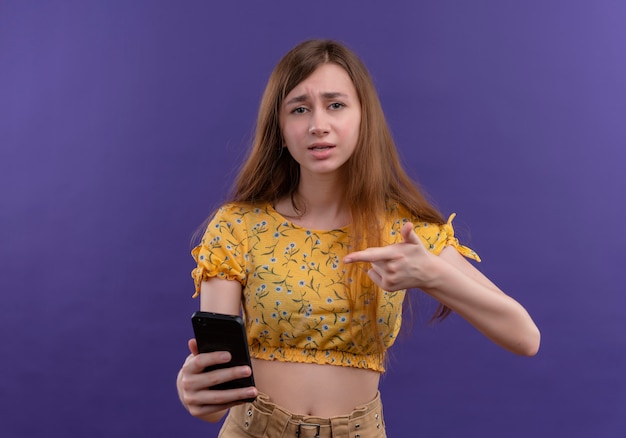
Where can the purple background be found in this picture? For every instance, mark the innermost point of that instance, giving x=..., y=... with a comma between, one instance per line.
x=122, y=124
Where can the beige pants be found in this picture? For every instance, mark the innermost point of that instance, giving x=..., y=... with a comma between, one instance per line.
x=262, y=419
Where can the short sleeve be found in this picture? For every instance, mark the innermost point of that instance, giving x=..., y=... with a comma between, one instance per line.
x=223, y=250
x=437, y=237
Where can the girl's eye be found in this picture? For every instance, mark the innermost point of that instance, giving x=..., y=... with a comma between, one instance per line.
x=299, y=110
x=336, y=105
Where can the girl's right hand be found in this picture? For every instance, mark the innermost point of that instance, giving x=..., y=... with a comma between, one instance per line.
x=193, y=384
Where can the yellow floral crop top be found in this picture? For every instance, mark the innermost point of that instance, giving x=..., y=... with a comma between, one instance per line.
x=295, y=301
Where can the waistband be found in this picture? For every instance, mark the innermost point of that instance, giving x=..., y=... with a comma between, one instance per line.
x=263, y=418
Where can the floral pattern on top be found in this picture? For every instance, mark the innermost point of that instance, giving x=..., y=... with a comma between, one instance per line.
x=295, y=300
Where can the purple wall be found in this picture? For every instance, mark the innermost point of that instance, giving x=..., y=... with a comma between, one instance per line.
x=121, y=125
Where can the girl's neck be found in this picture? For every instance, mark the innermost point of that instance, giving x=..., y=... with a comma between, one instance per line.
x=318, y=205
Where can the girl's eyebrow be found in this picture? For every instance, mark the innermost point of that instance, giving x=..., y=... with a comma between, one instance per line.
x=326, y=95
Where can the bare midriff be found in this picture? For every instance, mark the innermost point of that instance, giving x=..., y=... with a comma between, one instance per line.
x=315, y=390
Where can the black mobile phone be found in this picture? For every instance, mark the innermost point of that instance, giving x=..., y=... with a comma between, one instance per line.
x=218, y=332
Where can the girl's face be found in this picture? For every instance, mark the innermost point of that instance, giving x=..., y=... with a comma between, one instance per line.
x=320, y=120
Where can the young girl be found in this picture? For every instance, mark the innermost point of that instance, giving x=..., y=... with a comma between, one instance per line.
x=324, y=234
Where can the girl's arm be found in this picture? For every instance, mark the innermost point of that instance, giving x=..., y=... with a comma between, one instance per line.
x=219, y=296
x=454, y=282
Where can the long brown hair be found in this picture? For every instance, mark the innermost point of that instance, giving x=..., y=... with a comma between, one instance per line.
x=373, y=175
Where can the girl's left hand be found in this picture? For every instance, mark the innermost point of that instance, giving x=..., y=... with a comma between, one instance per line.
x=455, y=283
x=402, y=265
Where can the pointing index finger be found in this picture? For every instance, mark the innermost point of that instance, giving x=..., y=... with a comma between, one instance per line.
x=368, y=255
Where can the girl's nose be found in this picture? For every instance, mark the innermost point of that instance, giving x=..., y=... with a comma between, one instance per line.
x=319, y=124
